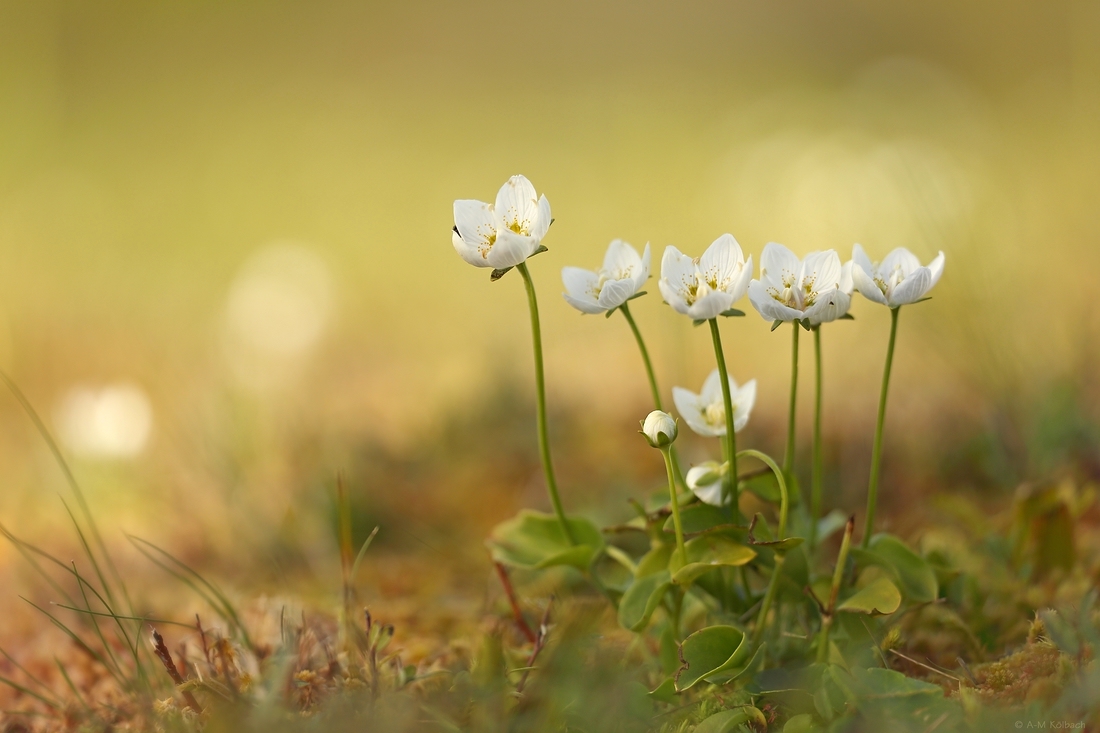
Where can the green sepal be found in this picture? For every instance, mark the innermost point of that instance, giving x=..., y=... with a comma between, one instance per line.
x=699, y=321
x=638, y=294
x=879, y=598
x=805, y=323
x=534, y=541
x=847, y=317
x=732, y=313
x=498, y=274
x=641, y=599
x=776, y=324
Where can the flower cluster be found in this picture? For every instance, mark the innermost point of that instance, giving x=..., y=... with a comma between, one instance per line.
x=808, y=291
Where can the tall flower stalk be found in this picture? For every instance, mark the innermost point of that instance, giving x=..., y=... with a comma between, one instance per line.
x=818, y=463
x=876, y=449
x=540, y=389
x=731, y=489
x=788, y=453
x=654, y=390
x=896, y=281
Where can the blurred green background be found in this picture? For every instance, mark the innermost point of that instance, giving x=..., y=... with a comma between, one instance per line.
x=226, y=271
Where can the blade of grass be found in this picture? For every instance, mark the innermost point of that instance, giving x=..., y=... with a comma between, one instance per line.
x=26, y=549
x=69, y=682
x=69, y=477
x=194, y=580
x=81, y=644
x=25, y=671
x=362, y=553
x=30, y=693
x=88, y=551
x=142, y=619
x=99, y=631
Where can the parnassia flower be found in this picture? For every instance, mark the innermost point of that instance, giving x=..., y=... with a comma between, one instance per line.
x=659, y=429
x=810, y=289
x=707, y=480
x=706, y=287
x=705, y=413
x=621, y=277
x=503, y=234
x=898, y=280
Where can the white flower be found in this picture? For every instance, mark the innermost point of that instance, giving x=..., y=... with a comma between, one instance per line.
x=705, y=287
x=659, y=428
x=621, y=277
x=705, y=412
x=503, y=234
x=898, y=280
x=809, y=289
x=706, y=481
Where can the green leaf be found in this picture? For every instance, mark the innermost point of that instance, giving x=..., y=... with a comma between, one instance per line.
x=698, y=518
x=763, y=485
x=830, y=524
x=728, y=721
x=534, y=540
x=914, y=575
x=880, y=597
x=707, y=553
x=654, y=561
x=803, y=723
x=665, y=692
x=641, y=600
x=711, y=654
x=776, y=324
x=1059, y=631
x=732, y=313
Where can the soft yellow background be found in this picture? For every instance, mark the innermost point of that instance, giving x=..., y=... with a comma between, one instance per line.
x=147, y=150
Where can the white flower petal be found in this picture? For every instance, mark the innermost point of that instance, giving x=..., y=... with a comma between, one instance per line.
x=861, y=260
x=865, y=285
x=615, y=293
x=466, y=252
x=542, y=220
x=710, y=305
x=830, y=306
x=902, y=259
x=912, y=288
x=743, y=402
x=936, y=268
x=740, y=284
x=673, y=297
x=721, y=262
x=511, y=249
x=707, y=493
x=517, y=206
x=821, y=270
x=641, y=277
x=712, y=389
x=584, y=306
x=580, y=283
x=768, y=307
x=476, y=225
x=621, y=260
x=846, y=285
x=689, y=406
x=778, y=265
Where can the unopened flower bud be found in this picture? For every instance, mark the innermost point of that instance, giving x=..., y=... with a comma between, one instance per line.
x=659, y=428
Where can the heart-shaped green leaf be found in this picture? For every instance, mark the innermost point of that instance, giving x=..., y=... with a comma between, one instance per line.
x=914, y=575
x=711, y=653
x=654, y=561
x=707, y=553
x=534, y=540
x=879, y=598
x=732, y=720
x=665, y=692
x=641, y=600
x=698, y=518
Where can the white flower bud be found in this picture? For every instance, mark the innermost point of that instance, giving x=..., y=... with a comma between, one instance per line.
x=659, y=428
x=706, y=480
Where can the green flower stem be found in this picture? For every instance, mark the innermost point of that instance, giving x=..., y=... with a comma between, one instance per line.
x=675, y=503
x=540, y=389
x=876, y=450
x=815, y=479
x=788, y=455
x=654, y=390
x=784, y=507
x=732, y=489
x=830, y=608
